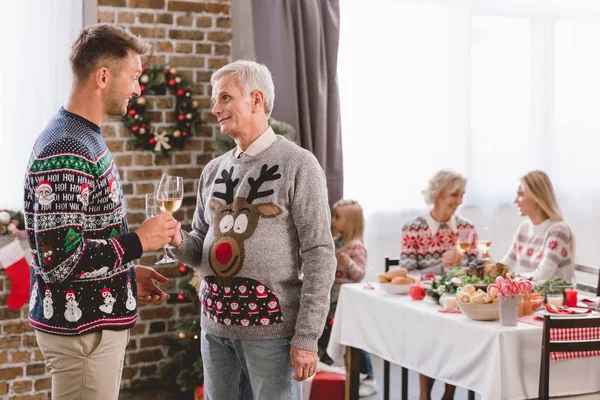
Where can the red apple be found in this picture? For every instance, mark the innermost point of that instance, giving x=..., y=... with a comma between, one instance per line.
x=417, y=292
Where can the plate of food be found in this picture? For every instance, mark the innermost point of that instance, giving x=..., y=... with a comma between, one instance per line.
x=567, y=312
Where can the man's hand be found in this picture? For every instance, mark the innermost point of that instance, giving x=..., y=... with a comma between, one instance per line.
x=157, y=231
x=177, y=238
x=147, y=291
x=304, y=363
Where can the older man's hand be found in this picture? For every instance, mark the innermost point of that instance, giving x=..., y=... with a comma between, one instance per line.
x=147, y=291
x=304, y=363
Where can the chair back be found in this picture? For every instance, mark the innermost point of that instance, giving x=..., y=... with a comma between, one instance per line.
x=390, y=262
x=563, y=345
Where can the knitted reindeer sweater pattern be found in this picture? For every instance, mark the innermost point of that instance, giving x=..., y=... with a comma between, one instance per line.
x=82, y=278
x=262, y=241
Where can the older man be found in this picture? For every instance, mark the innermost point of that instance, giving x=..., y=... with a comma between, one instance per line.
x=262, y=241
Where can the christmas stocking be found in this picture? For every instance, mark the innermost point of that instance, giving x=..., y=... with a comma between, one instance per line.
x=12, y=259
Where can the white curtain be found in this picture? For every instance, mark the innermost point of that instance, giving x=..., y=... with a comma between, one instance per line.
x=490, y=88
x=35, y=79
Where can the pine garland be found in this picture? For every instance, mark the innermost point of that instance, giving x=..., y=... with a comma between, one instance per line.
x=155, y=80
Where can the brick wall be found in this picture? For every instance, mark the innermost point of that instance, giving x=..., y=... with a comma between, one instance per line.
x=195, y=37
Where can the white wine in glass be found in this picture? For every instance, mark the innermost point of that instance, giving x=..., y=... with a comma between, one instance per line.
x=169, y=197
x=484, y=243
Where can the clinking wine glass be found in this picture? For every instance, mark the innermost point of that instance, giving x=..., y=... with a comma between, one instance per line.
x=169, y=197
x=152, y=210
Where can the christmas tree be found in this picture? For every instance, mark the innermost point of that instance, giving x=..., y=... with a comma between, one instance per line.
x=71, y=240
x=184, y=368
x=224, y=143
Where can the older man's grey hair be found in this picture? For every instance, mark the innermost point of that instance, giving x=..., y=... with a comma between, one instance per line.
x=251, y=76
x=444, y=179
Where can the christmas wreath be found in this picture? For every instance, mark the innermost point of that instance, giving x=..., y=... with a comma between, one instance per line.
x=155, y=80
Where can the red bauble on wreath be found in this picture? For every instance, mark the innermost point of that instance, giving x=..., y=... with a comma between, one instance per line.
x=155, y=81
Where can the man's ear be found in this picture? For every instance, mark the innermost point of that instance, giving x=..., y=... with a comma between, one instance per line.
x=258, y=100
x=101, y=77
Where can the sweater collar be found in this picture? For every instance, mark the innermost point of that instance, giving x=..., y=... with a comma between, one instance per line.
x=434, y=225
x=260, y=143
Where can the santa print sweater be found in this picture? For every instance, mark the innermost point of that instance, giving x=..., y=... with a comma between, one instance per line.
x=82, y=278
x=543, y=249
x=424, y=242
x=262, y=241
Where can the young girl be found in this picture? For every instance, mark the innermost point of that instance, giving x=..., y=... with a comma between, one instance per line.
x=347, y=226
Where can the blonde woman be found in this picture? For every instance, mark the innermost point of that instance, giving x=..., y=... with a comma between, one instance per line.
x=429, y=241
x=543, y=245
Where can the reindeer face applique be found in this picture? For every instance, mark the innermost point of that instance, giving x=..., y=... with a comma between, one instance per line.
x=237, y=219
x=48, y=256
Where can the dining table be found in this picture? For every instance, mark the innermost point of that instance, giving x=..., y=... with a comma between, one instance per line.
x=497, y=362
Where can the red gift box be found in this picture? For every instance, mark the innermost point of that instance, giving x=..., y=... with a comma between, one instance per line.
x=328, y=386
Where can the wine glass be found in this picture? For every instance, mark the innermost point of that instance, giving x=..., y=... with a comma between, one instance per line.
x=152, y=210
x=169, y=197
x=484, y=242
x=464, y=242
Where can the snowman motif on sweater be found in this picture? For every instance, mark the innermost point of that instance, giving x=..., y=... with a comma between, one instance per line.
x=130, y=303
x=48, y=309
x=109, y=301
x=34, y=294
x=72, y=310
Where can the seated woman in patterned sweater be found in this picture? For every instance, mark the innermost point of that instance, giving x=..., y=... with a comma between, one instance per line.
x=429, y=241
x=544, y=244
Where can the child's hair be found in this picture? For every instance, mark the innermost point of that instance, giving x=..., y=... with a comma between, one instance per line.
x=355, y=221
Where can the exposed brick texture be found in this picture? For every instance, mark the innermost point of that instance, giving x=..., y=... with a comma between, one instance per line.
x=195, y=37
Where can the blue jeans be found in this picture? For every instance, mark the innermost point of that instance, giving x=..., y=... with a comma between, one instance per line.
x=366, y=366
x=248, y=369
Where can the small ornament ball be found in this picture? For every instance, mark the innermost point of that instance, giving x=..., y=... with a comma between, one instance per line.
x=4, y=218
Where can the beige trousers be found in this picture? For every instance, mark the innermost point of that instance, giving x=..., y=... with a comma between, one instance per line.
x=85, y=367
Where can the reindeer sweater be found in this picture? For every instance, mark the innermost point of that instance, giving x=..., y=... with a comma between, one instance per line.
x=82, y=278
x=262, y=241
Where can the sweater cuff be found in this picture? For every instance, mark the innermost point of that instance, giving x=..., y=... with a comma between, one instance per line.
x=305, y=343
x=132, y=245
x=186, y=245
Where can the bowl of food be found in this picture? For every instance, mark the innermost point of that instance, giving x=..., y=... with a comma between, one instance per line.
x=396, y=281
x=477, y=304
x=393, y=288
x=480, y=312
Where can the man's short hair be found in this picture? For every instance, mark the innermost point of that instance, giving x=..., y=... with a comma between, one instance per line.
x=103, y=45
x=251, y=76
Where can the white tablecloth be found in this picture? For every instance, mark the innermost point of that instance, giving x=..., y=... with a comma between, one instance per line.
x=494, y=361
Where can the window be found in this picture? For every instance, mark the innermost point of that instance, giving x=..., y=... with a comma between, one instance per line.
x=492, y=89
x=35, y=80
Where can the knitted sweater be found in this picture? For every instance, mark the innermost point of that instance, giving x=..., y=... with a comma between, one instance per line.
x=261, y=239
x=355, y=270
x=82, y=278
x=425, y=240
x=544, y=250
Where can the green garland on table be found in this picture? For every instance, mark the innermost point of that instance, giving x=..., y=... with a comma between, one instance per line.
x=155, y=80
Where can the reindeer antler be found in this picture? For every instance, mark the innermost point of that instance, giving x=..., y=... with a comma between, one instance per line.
x=230, y=184
x=266, y=174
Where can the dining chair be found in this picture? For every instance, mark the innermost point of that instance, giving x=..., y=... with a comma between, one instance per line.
x=563, y=345
x=391, y=262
